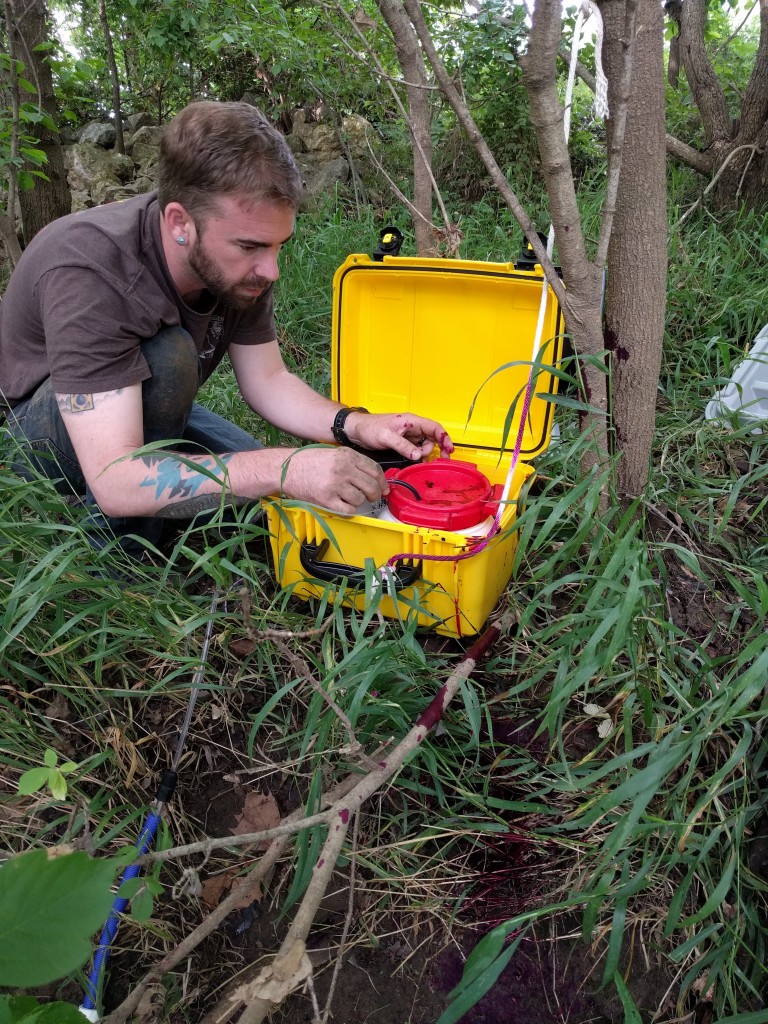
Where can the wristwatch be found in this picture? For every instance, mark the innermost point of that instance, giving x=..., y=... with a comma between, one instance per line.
x=338, y=431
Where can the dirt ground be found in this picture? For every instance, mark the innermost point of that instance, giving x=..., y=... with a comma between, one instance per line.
x=401, y=971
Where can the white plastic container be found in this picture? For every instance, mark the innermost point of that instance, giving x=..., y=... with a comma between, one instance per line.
x=746, y=394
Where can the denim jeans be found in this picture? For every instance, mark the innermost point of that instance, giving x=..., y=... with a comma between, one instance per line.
x=170, y=414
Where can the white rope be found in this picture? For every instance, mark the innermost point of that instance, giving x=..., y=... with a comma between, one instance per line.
x=601, y=82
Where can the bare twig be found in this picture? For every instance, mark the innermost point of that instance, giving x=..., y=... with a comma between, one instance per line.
x=711, y=185
x=399, y=103
x=619, y=118
x=347, y=921
x=475, y=136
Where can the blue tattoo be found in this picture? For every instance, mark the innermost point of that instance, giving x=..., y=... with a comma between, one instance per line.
x=169, y=482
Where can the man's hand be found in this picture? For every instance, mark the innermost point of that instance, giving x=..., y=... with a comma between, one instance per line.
x=412, y=436
x=336, y=478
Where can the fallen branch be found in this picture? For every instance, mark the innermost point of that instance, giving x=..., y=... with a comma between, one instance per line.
x=250, y=887
x=289, y=967
x=256, y=989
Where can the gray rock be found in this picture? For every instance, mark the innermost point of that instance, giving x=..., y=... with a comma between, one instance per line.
x=148, y=135
x=322, y=175
x=139, y=120
x=91, y=171
x=358, y=132
x=99, y=133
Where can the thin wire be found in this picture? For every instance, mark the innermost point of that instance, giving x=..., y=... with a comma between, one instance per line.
x=196, y=684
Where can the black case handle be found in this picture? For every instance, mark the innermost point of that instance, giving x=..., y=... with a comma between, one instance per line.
x=310, y=555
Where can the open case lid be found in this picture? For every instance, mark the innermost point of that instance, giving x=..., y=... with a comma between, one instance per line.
x=427, y=335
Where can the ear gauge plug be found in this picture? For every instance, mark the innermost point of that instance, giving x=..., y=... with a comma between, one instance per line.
x=181, y=240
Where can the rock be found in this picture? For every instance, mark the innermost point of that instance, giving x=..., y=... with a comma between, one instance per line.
x=139, y=120
x=321, y=175
x=115, y=193
x=145, y=150
x=92, y=171
x=356, y=130
x=99, y=133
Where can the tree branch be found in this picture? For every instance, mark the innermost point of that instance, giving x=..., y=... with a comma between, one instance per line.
x=754, y=105
x=481, y=146
x=250, y=887
x=616, y=149
x=539, y=72
x=705, y=85
x=698, y=161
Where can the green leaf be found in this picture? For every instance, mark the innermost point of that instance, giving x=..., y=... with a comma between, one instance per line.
x=142, y=905
x=50, y=757
x=130, y=887
x=15, y=1008
x=468, y=995
x=33, y=780
x=57, y=783
x=54, y=1013
x=49, y=910
x=631, y=1013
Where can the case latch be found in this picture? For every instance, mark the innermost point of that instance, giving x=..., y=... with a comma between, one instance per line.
x=390, y=243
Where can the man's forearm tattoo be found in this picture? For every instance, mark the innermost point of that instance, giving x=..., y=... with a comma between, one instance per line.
x=83, y=402
x=173, y=478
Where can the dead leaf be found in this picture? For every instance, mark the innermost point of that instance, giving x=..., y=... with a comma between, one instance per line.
x=215, y=888
x=241, y=648
x=58, y=709
x=362, y=19
x=259, y=812
x=59, y=851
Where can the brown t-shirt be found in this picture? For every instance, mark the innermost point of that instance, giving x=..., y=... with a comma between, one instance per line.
x=89, y=289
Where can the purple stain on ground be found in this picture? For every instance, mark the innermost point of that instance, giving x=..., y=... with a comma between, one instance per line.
x=344, y=815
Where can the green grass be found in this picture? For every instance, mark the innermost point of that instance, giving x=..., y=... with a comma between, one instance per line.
x=654, y=615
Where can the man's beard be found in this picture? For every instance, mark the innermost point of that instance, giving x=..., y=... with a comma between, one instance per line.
x=213, y=279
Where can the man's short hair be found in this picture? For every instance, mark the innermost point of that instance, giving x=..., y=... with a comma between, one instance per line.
x=225, y=149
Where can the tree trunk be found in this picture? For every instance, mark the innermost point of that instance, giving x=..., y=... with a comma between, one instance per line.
x=737, y=149
x=50, y=199
x=420, y=117
x=114, y=78
x=637, y=255
x=582, y=278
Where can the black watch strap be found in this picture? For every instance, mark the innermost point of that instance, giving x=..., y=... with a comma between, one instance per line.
x=338, y=431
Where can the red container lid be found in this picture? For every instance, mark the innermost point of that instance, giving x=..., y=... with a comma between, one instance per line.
x=452, y=495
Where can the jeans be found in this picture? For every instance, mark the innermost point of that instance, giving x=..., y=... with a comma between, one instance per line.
x=170, y=414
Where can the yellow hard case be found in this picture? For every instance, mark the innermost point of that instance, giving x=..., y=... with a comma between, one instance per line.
x=451, y=340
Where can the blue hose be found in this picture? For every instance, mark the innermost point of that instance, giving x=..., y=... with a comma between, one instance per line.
x=101, y=955
x=165, y=791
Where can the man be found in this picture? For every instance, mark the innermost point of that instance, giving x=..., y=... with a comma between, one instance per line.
x=115, y=317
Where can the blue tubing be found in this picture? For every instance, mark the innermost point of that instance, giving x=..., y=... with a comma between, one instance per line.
x=101, y=955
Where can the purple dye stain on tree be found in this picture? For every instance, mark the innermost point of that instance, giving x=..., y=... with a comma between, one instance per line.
x=320, y=863
x=344, y=815
x=434, y=712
